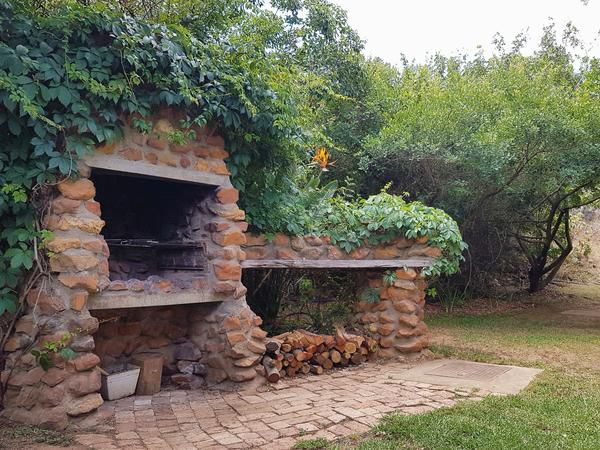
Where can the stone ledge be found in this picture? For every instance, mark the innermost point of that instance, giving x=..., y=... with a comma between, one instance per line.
x=119, y=300
x=117, y=164
x=337, y=263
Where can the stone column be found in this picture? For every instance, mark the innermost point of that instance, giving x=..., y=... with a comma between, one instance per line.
x=395, y=319
x=57, y=308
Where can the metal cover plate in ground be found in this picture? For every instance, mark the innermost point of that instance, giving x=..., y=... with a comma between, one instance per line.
x=469, y=371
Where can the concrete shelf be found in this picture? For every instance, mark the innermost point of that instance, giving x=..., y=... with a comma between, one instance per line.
x=128, y=299
x=116, y=164
x=336, y=263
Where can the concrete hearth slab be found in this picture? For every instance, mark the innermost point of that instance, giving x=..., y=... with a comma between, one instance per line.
x=494, y=378
x=595, y=313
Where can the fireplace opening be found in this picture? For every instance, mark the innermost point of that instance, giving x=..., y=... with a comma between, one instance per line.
x=155, y=229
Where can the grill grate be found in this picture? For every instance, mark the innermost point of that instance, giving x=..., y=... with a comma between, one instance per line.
x=183, y=255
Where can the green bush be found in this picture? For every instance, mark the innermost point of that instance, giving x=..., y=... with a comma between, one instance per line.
x=381, y=218
x=375, y=220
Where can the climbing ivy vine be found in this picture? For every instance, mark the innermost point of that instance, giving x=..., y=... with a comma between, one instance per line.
x=66, y=83
x=383, y=217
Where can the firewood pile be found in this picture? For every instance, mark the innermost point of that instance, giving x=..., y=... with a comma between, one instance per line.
x=303, y=352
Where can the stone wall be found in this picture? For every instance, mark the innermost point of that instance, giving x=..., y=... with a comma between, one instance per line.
x=395, y=316
x=225, y=331
x=68, y=389
x=285, y=247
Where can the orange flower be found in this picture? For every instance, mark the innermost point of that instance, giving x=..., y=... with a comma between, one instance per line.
x=321, y=158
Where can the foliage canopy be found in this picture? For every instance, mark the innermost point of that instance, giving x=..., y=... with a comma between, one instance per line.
x=68, y=80
x=70, y=74
x=508, y=145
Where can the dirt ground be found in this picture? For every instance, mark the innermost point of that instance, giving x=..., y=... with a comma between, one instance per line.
x=583, y=265
x=567, y=342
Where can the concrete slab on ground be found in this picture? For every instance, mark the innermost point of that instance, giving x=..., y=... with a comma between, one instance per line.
x=583, y=312
x=499, y=379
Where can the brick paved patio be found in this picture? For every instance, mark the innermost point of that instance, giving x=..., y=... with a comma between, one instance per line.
x=334, y=405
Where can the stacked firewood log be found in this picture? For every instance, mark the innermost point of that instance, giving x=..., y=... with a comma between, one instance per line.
x=303, y=352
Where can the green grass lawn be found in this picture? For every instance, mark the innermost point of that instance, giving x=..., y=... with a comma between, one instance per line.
x=18, y=436
x=519, y=330
x=559, y=410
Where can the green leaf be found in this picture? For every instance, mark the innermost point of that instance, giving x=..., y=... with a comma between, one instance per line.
x=21, y=50
x=64, y=95
x=14, y=127
x=7, y=304
x=67, y=353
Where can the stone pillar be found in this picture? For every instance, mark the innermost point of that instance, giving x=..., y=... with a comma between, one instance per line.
x=57, y=308
x=230, y=334
x=395, y=319
x=232, y=339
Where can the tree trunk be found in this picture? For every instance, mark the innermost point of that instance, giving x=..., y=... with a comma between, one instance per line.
x=536, y=279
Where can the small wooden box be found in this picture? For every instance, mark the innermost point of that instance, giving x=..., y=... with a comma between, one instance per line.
x=150, y=365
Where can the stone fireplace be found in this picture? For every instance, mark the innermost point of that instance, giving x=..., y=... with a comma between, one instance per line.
x=173, y=233
x=159, y=235
x=145, y=257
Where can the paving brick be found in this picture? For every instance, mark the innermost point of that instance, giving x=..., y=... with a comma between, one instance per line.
x=323, y=434
x=370, y=421
x=127, y=435
x=253, y=399
x=340, y=430
x=349, y=412
x=257, y=425
x=291, y=431
x=248, y=436
x=226, y=438
x=274, y=419
x=269, y=435
x=307, y=427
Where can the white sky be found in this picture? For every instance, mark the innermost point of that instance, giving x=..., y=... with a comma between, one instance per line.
x=419, y=28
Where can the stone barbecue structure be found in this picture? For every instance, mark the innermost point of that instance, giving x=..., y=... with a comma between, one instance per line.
x=395, y=316
x=147, y=256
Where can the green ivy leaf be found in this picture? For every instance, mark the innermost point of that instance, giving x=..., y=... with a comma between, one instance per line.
x=67, y=353
x=8, y=304
x=64, y=95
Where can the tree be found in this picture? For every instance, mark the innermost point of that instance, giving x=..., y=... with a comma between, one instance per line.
x=508, y=145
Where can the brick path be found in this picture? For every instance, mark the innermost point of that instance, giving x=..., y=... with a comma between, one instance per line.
x=334, y=405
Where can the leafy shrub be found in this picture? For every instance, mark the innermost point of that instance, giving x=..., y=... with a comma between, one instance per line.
x=381, y=218
x=375, y=220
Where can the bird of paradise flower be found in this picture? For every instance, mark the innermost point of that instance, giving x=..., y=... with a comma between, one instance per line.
x=321, y=159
